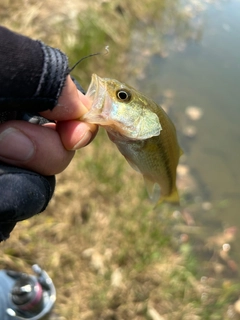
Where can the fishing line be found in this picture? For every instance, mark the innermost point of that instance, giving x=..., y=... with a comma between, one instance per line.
x=90, y=55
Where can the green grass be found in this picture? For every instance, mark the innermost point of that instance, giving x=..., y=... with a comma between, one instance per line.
x=100, y=222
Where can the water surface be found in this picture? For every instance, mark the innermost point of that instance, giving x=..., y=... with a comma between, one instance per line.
x=206, y=73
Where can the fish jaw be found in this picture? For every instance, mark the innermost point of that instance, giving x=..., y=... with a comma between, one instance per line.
x=97, y=94
x=118, y=118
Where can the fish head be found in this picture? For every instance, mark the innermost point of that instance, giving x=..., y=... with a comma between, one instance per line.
x=122, y=110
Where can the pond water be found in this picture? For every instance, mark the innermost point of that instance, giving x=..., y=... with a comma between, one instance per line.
x=206, y=73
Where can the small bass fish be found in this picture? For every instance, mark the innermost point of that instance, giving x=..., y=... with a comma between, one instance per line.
x=142, y=131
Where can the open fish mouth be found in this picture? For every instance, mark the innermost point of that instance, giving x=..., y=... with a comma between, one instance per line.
x=94, y=90
x=101, y=105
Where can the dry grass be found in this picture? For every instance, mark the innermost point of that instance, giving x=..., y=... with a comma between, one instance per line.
x=111, y=256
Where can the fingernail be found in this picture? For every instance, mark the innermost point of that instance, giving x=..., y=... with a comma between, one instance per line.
x=84, y=141
x=14, y=145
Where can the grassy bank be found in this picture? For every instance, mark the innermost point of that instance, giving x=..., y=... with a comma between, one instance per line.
x=110, y=254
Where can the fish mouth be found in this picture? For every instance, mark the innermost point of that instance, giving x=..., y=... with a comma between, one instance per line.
x=100, y=110
x=93, y=88
x=96, y=93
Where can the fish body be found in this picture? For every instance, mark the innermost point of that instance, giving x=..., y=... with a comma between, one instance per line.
x=142, y=131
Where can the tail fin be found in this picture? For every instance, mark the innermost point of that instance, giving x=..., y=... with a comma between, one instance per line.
x=173, y=198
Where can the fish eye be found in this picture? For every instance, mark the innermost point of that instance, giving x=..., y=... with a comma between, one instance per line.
x=123, y=95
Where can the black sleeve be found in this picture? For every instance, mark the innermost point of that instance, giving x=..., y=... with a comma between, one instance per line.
x=32, y=74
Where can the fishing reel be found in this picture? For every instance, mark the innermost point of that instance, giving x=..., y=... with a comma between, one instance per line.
x=26, y=297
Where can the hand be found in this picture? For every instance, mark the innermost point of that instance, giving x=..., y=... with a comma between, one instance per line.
x=48, y=149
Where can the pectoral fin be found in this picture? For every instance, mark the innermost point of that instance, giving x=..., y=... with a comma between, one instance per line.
x=133, y=165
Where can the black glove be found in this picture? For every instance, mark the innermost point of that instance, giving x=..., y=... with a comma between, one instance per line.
x=23, y=194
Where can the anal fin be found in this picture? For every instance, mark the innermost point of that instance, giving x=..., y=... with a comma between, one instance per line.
x=153, y=189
